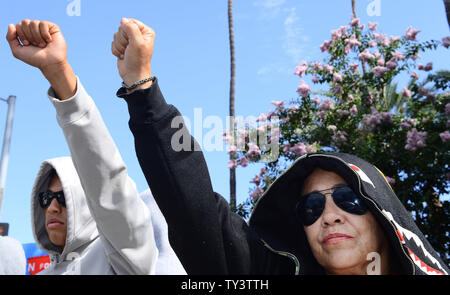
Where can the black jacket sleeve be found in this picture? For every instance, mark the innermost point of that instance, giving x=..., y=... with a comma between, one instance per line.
x=207, y=237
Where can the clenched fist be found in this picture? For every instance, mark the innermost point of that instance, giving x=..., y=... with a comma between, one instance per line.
x=133, y=47
x=42, y=45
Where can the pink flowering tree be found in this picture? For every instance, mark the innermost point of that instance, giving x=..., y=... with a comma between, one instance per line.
x=358, y=107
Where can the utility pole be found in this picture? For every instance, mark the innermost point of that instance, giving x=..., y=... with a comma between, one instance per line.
x=6, y=143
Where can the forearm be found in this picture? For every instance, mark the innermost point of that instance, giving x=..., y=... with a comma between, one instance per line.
x=120, y=214
x=62, y=79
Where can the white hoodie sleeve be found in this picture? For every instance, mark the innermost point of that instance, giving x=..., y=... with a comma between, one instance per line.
x=122, y=218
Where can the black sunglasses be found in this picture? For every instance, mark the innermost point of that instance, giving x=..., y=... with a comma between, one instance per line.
x=310, y=207
x=45, y=198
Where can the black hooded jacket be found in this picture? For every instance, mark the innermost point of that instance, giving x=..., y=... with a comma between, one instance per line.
x=210, y=239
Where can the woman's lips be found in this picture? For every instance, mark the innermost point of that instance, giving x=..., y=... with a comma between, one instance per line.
x=335, y=238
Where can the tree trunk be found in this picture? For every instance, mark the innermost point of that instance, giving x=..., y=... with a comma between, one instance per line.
x=232, y=86
x=447, y=10
x=354, y=8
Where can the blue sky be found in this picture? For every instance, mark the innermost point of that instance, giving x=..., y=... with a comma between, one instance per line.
x=191, y=60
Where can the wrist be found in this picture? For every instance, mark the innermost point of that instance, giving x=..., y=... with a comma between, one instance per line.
x=62, y=79
x=132, y=79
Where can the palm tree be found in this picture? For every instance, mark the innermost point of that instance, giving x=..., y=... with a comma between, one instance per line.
x=354, y=8
x=232, y=86
x=447, y=10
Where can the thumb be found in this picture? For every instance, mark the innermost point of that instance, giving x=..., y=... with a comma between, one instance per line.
x=11, y=37
x=132, y=31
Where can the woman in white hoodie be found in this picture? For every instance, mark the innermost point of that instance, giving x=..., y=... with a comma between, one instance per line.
x=101, y=223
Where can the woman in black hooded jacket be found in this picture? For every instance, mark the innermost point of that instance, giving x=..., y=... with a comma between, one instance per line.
x=210, y=239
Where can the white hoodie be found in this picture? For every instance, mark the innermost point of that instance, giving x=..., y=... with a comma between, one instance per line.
x=109, y=228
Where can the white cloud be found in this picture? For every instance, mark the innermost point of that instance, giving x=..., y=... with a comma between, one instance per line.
x=269, y=3
x=294, y=38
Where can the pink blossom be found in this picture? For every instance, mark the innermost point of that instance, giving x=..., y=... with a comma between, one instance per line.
x=301, y=69
x=380, y=62
x=394, y=38
x=347, y=49
x=372, y=43
x=315, y=100
x=232, y=164
x=447, y=109
x=380, y=71
x=315, y=80
x=232, y=149
x=415, y=56
x=270, y=114
x=299, y=149
x=326, y=45
x=446, y=42
x=354, y=67
x=338, y=90
x=339, y=137
x=322, y=114
x=243, y=162
x=406, y=92
x=405, y=125
x=371, y=121
x=382, y=39
x=386, y=117
x=354, y=110
x=415, y=139
x=373, y=26
x=344, y=29
x=350, y=98
x=411, y=34
x=414, y=75
x=262, y=172
x=293, y=108
x=256, y=194
x=317, y=66
x=337, y=77
x=354, y=22
x=326, y=104
x=332, y=128
x=398, y=56
x=366, y=55
x=352, y=41
x=328, y=69
x=256, y=180
x=286, y=147
x=262, y=118
x=392, y=64
x=445, y=136
x=428, y=67
x=303, y=89
x=336, y=34
x=343, y=113
x=253, y=150
x=362, y=27
x=278, y=104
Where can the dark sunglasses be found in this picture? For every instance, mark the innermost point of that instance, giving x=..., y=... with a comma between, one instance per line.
x=310, y=207
x=45, y=198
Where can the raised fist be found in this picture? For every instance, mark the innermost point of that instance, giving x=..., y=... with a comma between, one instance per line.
x=133, y=47
x=37, y=43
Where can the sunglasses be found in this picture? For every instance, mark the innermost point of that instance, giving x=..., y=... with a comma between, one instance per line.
x=45, y=198
x=310, y=207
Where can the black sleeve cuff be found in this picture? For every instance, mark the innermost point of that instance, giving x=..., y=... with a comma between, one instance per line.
x=145, y=105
